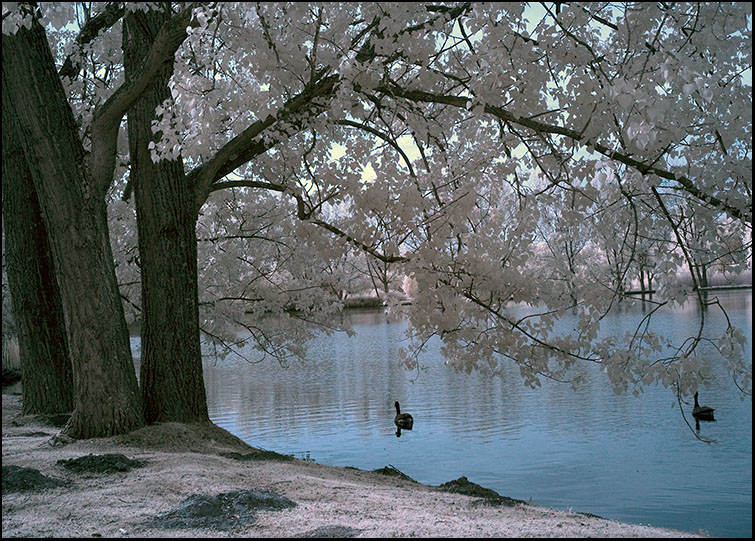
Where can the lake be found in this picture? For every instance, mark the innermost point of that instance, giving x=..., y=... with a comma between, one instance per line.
x=621, y=457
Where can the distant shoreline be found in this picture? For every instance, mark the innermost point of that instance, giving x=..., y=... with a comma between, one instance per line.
x=692, y=290
x=376, y=302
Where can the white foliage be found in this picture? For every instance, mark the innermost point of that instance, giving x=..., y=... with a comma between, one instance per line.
x=15, y=18
x=505, y=150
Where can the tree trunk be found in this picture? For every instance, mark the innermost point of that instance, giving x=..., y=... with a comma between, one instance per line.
x=74, y=213
x=171, y=370
x=45, y=366
x=703, y=275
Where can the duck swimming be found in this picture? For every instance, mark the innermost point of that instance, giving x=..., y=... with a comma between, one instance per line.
x=403, y=420
x=702, y=413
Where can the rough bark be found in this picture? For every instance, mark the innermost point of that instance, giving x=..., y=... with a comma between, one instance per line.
x=171, y=369
x=45, y=366
x=74, y=213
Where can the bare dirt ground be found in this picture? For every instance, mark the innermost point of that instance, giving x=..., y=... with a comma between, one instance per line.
x=179, y=461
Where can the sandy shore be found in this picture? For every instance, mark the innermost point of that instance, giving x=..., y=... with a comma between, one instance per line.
x=183, y=460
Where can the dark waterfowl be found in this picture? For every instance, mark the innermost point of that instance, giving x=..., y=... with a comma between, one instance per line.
x=403, y=420
x=702, y=413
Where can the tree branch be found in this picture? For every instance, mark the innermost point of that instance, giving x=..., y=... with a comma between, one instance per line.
x=306, y=215
x=112, y=14
x=384, y=137
x=107, y=118
x=540, y=127
x=245, y=146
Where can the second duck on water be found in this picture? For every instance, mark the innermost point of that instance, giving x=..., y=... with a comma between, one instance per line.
x=403, y=420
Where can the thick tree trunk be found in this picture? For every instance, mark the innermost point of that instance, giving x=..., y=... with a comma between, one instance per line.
x=171, y=370
x=45, y=366
x=74, y=213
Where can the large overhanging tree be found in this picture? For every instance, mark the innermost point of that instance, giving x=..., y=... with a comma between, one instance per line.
x=485, y=123
x=620, y=113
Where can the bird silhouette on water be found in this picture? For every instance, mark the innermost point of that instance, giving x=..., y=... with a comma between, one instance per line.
x=702, y=413
x=402, y=420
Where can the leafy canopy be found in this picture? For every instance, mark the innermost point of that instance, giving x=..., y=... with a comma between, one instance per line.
x=539, y=155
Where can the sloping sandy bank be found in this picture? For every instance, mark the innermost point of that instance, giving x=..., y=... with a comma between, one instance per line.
x=183, y=460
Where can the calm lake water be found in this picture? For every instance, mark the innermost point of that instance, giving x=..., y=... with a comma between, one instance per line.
x=620, y=457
